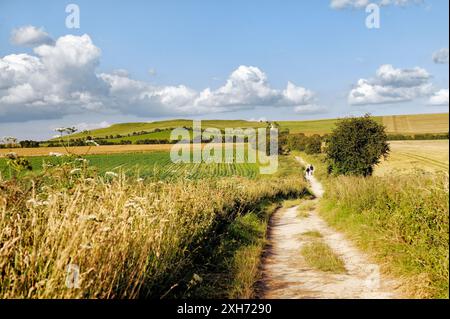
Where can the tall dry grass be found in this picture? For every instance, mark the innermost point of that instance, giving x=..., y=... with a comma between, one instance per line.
x=129, y=238
x=402, y=220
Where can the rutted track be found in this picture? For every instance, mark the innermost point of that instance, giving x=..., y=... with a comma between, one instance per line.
x=286, y=274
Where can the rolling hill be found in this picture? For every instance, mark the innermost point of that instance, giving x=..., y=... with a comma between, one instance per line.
x=395, y=124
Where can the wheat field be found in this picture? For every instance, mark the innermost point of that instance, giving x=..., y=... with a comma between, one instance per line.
x=407, y=156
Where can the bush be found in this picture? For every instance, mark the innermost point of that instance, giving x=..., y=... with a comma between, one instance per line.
x=313, y=145
x=301, y=142
x=356, y=145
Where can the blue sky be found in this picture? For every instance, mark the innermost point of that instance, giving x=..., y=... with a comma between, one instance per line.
x=321, y=50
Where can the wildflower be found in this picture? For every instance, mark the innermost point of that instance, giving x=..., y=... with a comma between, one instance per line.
x=75, y=171
x=32, y=202
x=131, y=204
x=111, y=174
x=35, y=203
x=55, y=154
x=86, y=246
x=197, y=278
x=92, y=142
x=10, y=140
x=89, y=217
x=11, y=155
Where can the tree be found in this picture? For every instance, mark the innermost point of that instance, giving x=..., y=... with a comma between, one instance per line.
x=313, y=144
x=356, y=145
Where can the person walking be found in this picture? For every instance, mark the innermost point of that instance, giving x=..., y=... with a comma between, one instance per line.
x=307, y=172
x=311, y=170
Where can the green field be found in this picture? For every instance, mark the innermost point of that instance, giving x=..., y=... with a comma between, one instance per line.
x=154, y=164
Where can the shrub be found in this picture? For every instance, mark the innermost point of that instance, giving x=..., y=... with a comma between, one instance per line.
x=356, y=145
x=313, y=145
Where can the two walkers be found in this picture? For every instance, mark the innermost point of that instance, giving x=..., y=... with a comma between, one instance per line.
x=309, y=170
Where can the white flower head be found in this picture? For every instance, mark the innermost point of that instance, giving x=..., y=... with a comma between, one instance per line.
x=92, y=142
x=75, y=171
x=111, y=174
x=55, y=154
x=11, y=155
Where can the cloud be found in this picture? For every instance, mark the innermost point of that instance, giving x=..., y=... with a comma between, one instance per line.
x=441, y=56
x=440, y=98
x=360, y=4
x=248, y=86
x=260, y=119
x=61, y=79
x=30, y=36
x=391, y=85
x=310, y=109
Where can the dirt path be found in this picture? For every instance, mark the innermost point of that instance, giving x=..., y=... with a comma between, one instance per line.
x=286, y=275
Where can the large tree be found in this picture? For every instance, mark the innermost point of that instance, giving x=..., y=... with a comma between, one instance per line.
x=356, y=145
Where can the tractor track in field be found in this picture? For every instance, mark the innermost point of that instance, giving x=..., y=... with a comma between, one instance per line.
x=427, y=160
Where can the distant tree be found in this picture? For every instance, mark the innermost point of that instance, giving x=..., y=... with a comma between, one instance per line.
x=296, y=142
x=356, y=145
x=28, y=144
x=313, y=144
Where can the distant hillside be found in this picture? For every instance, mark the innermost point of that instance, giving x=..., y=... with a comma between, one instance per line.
x=395, y=124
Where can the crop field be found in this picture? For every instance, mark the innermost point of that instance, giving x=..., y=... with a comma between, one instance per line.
x=416, y=124
x=154, y=164
x=407, y=156
x=81, y=150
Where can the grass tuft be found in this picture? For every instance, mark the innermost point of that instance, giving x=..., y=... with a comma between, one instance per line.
x=320, y=256
x=312, y=234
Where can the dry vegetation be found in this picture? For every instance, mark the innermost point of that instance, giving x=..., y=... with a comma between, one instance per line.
x=82, y=150
x=402, y=221
x=407, y=156
x=129, y=238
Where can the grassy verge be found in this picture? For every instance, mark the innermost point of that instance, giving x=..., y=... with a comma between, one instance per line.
x=402, y=221
x=320, y=256
x=131, y=238
x=238, y=256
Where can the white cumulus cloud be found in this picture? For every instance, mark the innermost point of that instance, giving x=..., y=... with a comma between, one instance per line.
x=439, y=98
x=61, y=79
x=441, y=56
x=30, y=36
x=391, y=85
